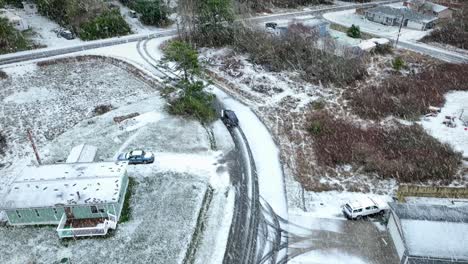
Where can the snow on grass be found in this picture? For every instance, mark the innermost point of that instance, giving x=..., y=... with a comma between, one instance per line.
x=31, y=95
x=168, y=193
x=334, y=256
x=52, y=99
x=43, y=30
x=349, y=17
x=456, y=105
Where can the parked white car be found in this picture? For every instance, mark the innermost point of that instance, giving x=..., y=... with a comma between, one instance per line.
x=361, y=208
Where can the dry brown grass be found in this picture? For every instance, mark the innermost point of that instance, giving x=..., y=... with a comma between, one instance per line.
x=405, y=153
x=409, y=97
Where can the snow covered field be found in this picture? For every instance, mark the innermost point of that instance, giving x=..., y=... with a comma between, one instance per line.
x=57, y=102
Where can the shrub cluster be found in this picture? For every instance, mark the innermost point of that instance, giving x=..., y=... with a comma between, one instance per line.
x=153, y=12
x=194, y=102
x=90, y=19
x=405, y=153
x=354, y=31
x=106, y=25
x=298, y=50
x=409, y=97
x=102, y=109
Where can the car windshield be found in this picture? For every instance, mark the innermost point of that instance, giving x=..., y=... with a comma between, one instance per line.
x=348, y=207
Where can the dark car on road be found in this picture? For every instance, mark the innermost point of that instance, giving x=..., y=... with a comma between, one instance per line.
x=229, y=118
x=137, y=157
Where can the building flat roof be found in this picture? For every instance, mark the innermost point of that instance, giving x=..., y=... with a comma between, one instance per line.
x=59, y=185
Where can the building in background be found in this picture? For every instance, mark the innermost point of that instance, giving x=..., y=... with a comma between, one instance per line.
x=83, y=199
x=409, y=18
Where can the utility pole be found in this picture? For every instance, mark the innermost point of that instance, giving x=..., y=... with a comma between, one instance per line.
x=399, y=30
x=30, y=137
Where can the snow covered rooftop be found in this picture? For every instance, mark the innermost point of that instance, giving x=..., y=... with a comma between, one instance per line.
x=65, y=184
x=435, y=231
x=430, y=212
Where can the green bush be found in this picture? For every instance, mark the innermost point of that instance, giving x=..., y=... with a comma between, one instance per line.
x=11, y=40
x=315, y=127
x=106, y=25
x=194, y=103
x=126, y=213
x=185, y=56
x=153, y=12
x=354, y=31
x=398, y=63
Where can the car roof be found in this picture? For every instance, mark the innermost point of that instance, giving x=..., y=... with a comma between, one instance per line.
x=136, y=152
x=362, y=203
x=230, y=114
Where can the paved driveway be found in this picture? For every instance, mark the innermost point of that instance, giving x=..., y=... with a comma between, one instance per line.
x=321, y=240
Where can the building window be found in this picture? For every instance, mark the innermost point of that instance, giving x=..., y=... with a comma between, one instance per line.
x=37, y=212
x=18, y=214
x=94, y=209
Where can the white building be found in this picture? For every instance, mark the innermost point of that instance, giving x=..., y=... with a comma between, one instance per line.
x=429, y=234
x=16, y=21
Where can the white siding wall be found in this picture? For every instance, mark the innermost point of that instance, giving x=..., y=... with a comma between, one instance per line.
x=415, y=25
x=397, y=239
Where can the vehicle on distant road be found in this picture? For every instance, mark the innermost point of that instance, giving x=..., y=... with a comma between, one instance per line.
x=137, y=157
x=271, y=25
x=358, y=209
x=229, y=118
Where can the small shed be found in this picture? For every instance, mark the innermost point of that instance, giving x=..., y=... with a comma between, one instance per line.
x=83, y=199
x=429, y=234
